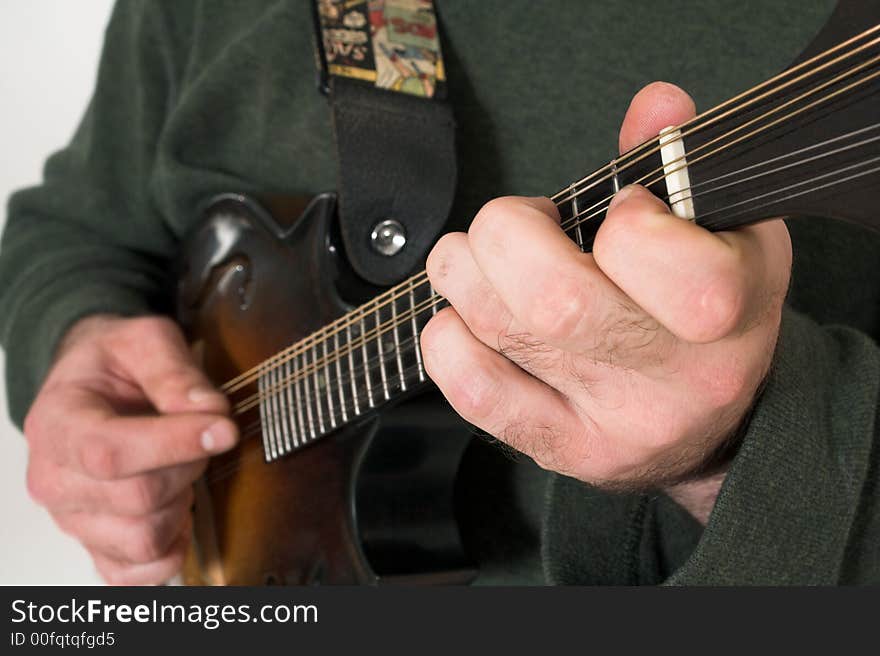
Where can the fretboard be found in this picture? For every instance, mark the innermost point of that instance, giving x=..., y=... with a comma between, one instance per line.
x=346, y=370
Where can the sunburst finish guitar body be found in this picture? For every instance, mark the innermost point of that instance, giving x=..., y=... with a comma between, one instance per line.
x=374, y=500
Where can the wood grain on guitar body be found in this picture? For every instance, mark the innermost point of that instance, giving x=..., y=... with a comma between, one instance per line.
x=346, y=469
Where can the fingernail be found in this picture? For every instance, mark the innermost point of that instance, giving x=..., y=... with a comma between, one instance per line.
x=219, y=437
x=199, y=395
x=621, y=196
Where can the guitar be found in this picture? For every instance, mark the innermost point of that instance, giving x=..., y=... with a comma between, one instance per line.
x=346, y=466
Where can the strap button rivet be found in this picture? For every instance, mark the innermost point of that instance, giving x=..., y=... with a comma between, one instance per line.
x=388, y=237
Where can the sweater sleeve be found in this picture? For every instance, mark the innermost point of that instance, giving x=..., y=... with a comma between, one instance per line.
x=88, y=239
x=801, y=502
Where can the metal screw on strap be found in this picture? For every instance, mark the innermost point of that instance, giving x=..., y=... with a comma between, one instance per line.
x=388, y=237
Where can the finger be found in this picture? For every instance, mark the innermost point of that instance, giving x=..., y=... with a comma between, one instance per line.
x=153, y=353
x=90, y=438
x=129, y=540
x=454, y=274
x=492, y=393
x=153, y=573
x=700, y=286
x=64, y=491
x=656, y=106
x=550, y=287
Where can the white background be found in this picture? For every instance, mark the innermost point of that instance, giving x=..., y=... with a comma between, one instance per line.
x=48, y=57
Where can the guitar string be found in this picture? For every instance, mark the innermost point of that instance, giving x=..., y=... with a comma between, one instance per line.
x=369, y=364
x=854, y=176
x=576, y=220
x=789, y=156
x=355, y=315
x=739, y=109
x=777, y=78
x=688, y=160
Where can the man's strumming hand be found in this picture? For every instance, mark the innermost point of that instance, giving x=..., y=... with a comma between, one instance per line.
x=121, y=428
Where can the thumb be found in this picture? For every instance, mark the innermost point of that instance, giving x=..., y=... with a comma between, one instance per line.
x=655, y=107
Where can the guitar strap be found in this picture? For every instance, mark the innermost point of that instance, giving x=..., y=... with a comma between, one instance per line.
x=381, y=67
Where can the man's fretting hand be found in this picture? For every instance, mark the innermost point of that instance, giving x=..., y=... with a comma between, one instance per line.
x=121, y=428
x=626, y=368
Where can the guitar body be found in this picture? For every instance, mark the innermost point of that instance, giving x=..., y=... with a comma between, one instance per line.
x=372, y=502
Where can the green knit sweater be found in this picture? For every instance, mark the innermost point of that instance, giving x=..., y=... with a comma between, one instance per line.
x=196, y=98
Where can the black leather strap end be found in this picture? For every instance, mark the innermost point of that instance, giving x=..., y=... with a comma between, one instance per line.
x=396, y=156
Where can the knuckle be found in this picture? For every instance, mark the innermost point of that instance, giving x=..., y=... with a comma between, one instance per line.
x=38, y=485
x=112, y=575
x=490, y=219
x=139, y=333
x=477, y=395
x=143, y=495
x=721, y=308
x=491, y=323
x=558, y=312
x=33, y=425
x=152, y=325
x=175, y=378
x=145, y=543
x=100, y=460
x=171, y=565
x=66, y=523
x=433, y=336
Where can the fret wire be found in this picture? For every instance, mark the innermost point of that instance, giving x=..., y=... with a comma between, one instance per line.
x=273, y=406
x=380, y=348
x=285, y=417
x=303, y=435
x=354, y=394
x=328, y=386
x=366, y=360
x=579, y=237
x=339, y=385
x=314, y=377
x=264, y=425
x=415, y=332
x=397, y=346
x=431, y=296
x=308, y=396
x=294, y=408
